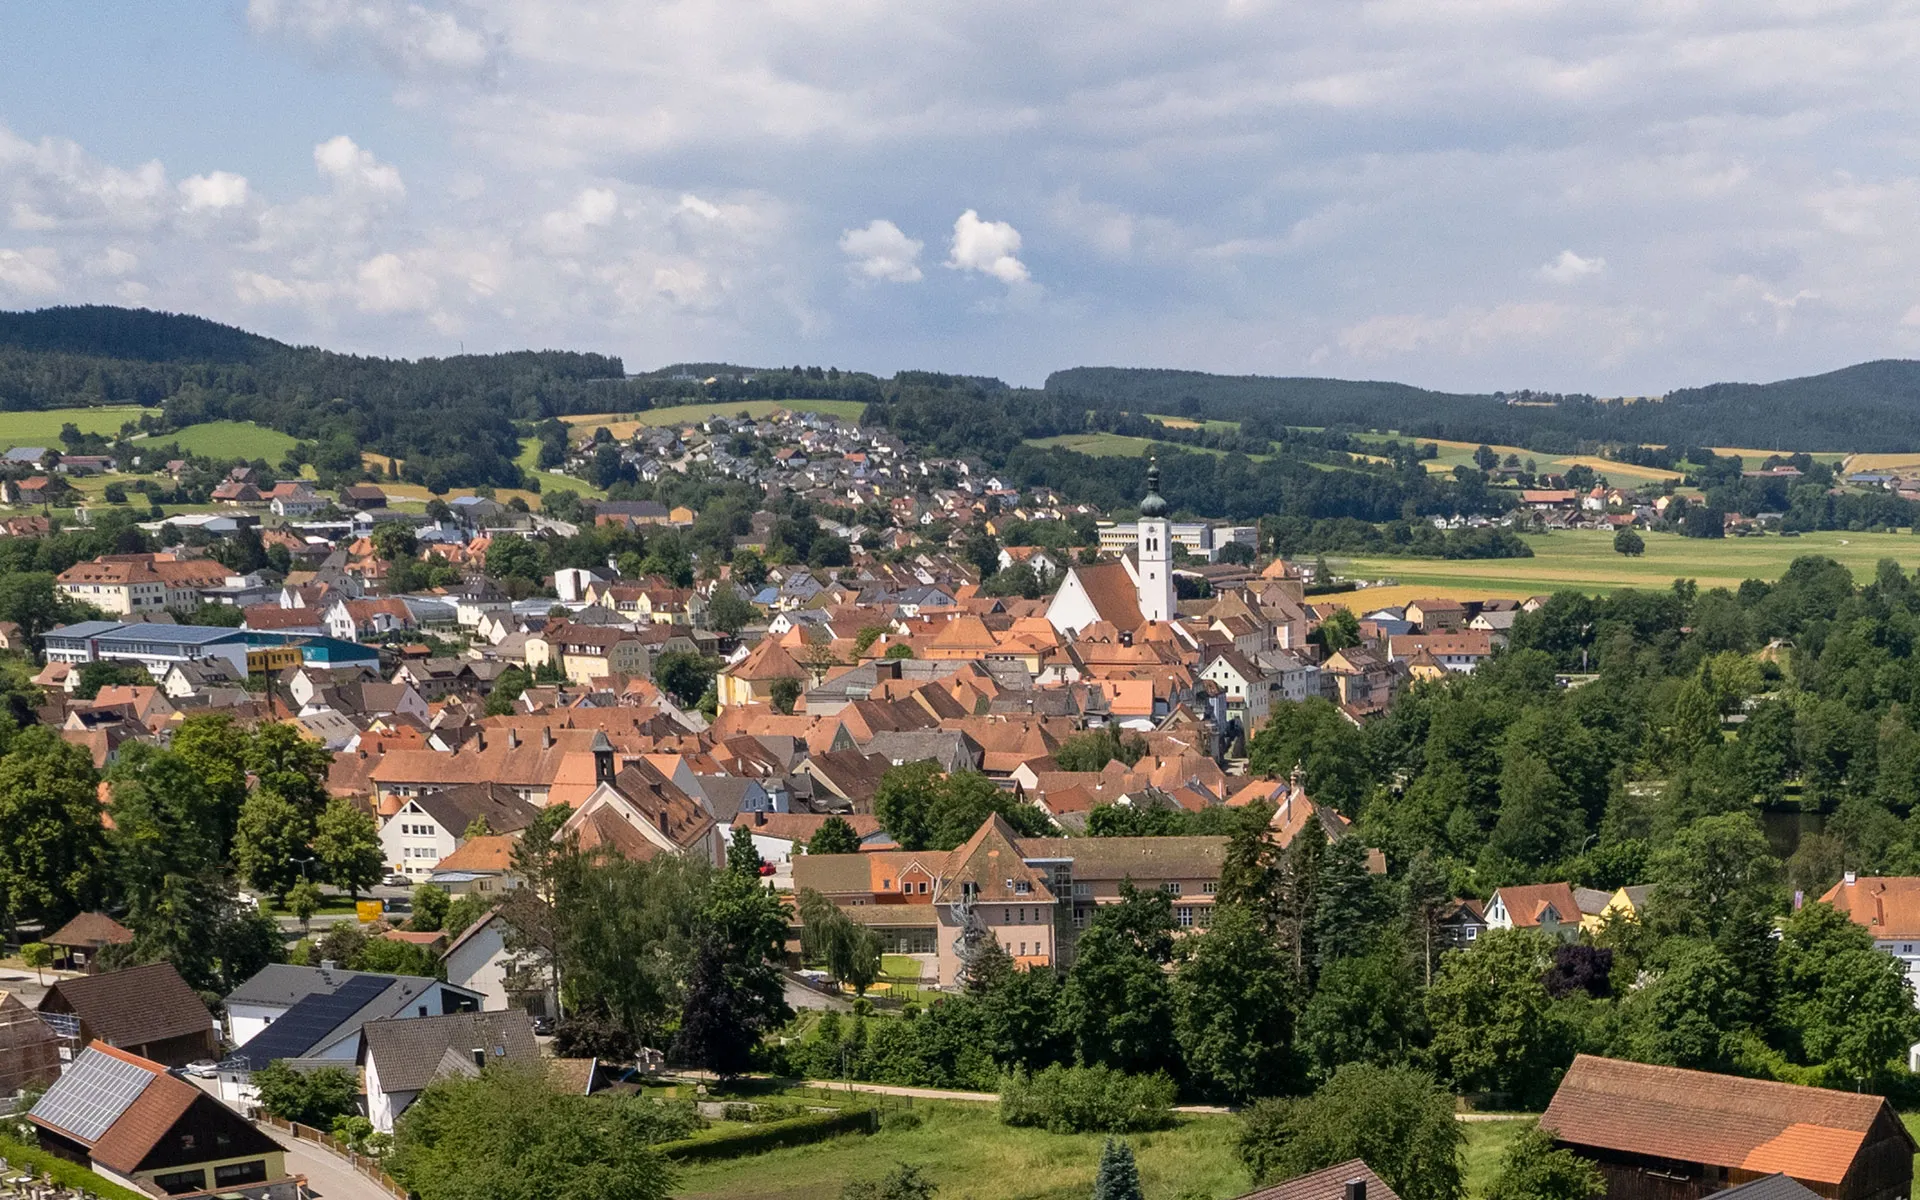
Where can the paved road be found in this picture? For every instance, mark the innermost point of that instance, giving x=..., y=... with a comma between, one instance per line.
x=328, y=1176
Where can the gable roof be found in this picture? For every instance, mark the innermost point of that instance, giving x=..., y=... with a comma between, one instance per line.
x=1527, y=905
x=1887, y=906
x=91, y=930
x=132, y=1007
x=1812, y=1134
x=409, y=1054
x=1328, y=1183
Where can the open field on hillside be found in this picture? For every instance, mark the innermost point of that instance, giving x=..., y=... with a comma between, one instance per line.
x=1460, y=454
x=1755, y=457
x=1118, y=445
x=1882, y=462
x=231, y=439
x=1585, y=559
x=623, y=425
x=43, y=428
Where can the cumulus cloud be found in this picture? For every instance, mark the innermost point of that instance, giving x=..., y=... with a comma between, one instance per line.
x=880, y=251
x=216, y=190
x=29, y=273
x=1572, y=268
x=410, y=37
x=988, y=247
x=389, y=284
x=351, y=168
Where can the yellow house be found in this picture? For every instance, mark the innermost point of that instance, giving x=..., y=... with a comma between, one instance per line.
x=1626, y=904
x=588, y=652
x=750, y=681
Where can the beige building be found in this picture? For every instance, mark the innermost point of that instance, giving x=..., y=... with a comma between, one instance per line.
x=128, y=584
x=589, y=652
x=1032, y=895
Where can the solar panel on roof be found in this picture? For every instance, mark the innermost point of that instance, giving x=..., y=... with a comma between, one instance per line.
x=92, y=1094
x=301, y=1027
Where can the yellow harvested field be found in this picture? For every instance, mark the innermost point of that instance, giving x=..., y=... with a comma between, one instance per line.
x=1882, y=462
x=1614, y=470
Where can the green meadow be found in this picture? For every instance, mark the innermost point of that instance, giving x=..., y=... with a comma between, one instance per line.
x=43, y=428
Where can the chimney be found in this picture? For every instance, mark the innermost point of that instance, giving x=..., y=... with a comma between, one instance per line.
x=1354, y=1189
x=513, y=738
x=480, y=739
x=1849, y=879
x=759, y=818
x=546, y=737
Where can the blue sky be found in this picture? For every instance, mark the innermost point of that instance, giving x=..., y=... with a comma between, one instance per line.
x=1470, y=194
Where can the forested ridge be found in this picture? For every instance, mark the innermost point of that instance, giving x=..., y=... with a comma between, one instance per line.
x=1869, y=407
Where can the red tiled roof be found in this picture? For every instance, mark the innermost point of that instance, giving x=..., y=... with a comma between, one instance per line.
x=1812, y=1134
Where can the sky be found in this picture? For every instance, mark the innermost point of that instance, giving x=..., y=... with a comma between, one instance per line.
x=1474, y=195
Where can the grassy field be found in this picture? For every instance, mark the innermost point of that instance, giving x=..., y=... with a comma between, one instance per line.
x=623, y=425
x=43, y=428
x=965, y=1150
x=1585, y=559
x=1116, y=445
x=231, y=439
x=971, y=1156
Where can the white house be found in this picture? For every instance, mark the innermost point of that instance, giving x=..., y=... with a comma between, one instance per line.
x=478, y=960
x=431, y=826
x=399, y=1059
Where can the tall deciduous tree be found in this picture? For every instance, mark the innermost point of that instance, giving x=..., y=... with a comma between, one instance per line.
x=273, y=833
x=347, y=846
x=53, y=851
x=1234, y=1000
x=1494, y=1027
x=1396, y=1119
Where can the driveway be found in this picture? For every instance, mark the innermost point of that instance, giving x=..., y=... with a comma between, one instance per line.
x=328, y=1176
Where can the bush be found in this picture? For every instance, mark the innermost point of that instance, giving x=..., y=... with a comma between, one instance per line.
x=25, y=1158
x=757, y=1139
x=900, y=1120
x=736, y=1112
x=1087, y=1100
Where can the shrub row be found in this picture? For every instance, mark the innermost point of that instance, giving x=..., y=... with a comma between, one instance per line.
x=1087, y=1100
x=758, y=1139
x=26, y=1159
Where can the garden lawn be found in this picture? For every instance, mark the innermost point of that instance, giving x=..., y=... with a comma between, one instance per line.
x=43, y=428
x=1585, y=560
x=1486, y=1142
x=623, y=425
x=970, y=1155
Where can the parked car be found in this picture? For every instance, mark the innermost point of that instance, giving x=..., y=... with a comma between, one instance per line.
x=204, y=1068
x=397, y=880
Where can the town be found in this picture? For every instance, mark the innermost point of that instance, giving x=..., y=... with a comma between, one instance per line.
x=819, y=791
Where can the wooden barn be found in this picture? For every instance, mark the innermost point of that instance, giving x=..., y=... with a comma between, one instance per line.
x=1661, y=1133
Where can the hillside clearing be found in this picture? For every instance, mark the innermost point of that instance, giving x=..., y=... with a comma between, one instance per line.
x=624, y=425
x=43, y=428
x=231, y=439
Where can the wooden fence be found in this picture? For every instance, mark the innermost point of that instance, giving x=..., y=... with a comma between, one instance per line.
x=363, y=1164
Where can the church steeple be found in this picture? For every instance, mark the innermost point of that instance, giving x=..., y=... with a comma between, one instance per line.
x=1153, y=505
x=1153, y=577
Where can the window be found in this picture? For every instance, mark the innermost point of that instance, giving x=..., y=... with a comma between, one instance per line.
x=1022, y=888
x=1023, y=949
x=187, y=1181
x=1184, y=916
x=923, y=887
x=238, y=1173
x=1206, y=916
x=1083, y=889
x=1079, y=918
x=1210, y=889
x=1171, y=888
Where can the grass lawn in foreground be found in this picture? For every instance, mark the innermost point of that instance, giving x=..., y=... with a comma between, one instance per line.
x=43, y=428
x=1585, y=559
x=970, y=1155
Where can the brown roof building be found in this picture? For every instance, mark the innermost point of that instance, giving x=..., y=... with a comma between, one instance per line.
x=1662, y=1133
x=149, y=1011
x=83, y=937
x=1350, y=1180
x=29, y=1050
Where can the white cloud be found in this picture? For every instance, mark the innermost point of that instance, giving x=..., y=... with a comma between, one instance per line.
x=1572, y=268
x=113, y=262
x=880, y=251
x=405, y=36
x=216, y=191
x=390, y=284
x=29, y=272
x=351, y=168
x=988, y=247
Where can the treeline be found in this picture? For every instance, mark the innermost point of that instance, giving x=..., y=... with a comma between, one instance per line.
x=1867, y=407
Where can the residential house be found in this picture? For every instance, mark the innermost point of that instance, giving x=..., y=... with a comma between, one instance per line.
x=482, y=865
x=1674, y=1134
x=431, y=826
x=479, y=961
x=369, y=620
x=637, y=813
x=1559, y=910
x=1462, y=652
x=131, y=584
x=1888, y=907
x=148, y=1010
x=751, y=680
x=130, y=1121
x=400, y=1059
x=362, y=496
x=588, y=652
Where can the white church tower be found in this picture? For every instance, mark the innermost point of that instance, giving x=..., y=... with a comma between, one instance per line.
x=1154, y=578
